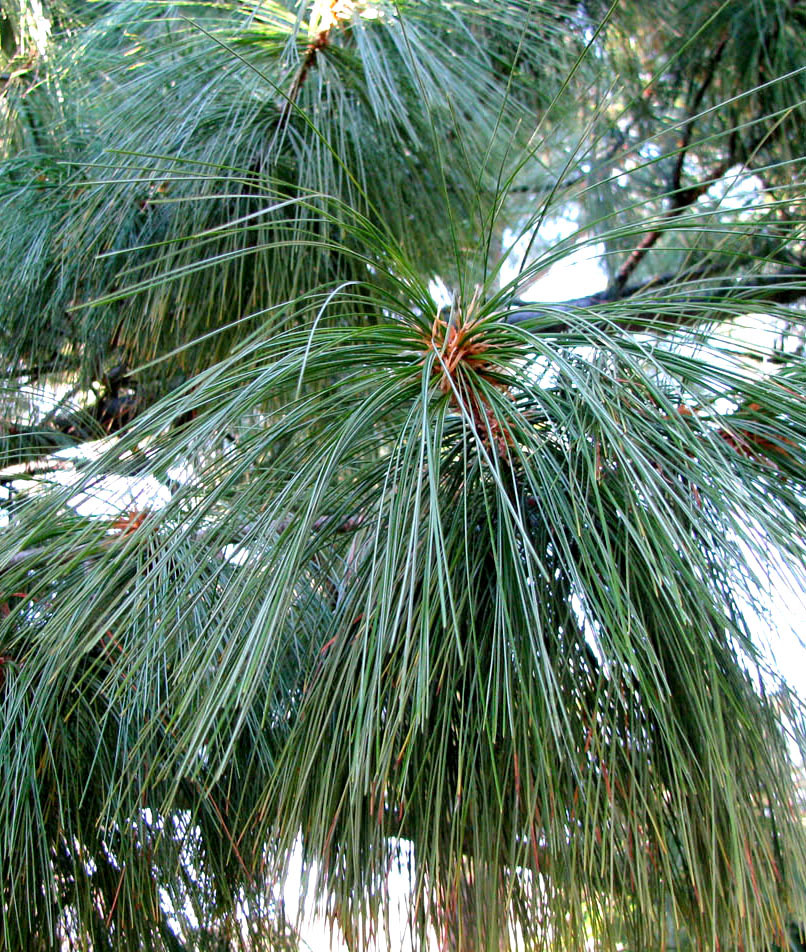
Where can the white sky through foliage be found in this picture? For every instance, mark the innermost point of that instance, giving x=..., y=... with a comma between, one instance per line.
x=780, y=628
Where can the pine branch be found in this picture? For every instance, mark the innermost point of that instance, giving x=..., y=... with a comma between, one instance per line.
x=313, y=50
x=786, y=287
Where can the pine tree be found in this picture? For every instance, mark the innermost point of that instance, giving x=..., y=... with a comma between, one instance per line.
x=433, y=577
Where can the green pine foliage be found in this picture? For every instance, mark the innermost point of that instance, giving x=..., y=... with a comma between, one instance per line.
x=455, y=593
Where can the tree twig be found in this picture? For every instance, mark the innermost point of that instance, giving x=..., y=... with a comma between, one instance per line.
x=680, y=200
x=680, y=197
